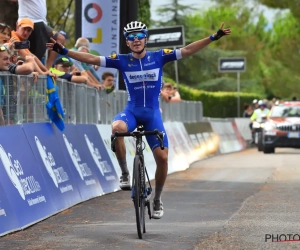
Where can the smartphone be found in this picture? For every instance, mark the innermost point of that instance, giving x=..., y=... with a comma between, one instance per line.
x=22, y=45
x=78, y=73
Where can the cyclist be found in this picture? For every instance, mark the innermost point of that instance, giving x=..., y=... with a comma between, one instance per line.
x=142, y=73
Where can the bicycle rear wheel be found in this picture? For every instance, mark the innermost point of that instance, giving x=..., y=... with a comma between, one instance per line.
x=139, y=197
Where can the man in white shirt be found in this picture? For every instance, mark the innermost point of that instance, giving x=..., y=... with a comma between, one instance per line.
x=36, y=10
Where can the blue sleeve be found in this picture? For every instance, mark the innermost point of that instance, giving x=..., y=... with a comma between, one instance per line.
x=169, y=55
x=66, y=76
x=112, y=61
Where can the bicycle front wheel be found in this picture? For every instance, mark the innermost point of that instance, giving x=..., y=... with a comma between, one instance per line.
x=138, y=183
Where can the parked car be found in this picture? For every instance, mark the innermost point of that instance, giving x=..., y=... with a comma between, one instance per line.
x=282, y=128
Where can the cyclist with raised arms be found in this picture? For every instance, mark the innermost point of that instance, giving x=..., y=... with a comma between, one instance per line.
x=142, y=73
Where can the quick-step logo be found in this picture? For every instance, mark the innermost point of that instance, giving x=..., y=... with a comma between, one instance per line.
x=26, y=185
x=58, y=175
x=103, y=166
x=82, y=168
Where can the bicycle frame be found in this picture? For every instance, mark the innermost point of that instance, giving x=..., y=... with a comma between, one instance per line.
x=140, y=192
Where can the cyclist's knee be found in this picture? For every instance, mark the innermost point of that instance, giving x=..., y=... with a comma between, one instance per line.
x=119, y=126
x=161, y=155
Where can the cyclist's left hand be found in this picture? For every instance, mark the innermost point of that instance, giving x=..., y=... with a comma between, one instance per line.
x=222, y=32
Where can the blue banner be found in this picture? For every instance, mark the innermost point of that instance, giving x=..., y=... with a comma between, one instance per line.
x=97, y=151
x=22, y=179
x=82, y=165
x=53, y=165
x=8, y=221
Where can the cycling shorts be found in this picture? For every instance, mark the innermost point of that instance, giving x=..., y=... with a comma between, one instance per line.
x=150, y=118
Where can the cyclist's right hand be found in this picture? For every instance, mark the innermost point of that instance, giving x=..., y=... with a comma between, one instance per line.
x=57, y=47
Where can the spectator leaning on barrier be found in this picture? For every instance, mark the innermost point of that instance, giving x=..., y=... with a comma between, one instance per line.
x=36, y=10
x=51, y=55
x=82, y=41
x=108, y=81
x=62, y=68
x=23, y=30
x=10, y=88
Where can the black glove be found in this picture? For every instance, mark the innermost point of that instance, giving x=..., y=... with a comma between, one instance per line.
x=60, y=49
x=220, y=33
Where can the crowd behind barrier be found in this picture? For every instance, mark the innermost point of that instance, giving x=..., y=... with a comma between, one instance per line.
x=23, y=101
x=56, y=170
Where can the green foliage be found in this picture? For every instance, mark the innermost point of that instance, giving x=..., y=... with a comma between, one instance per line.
x=215, y=104
x=144, y=14
x=62, y=18
x=272, y=54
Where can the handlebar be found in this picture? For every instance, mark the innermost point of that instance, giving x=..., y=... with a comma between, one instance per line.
x=159, y=136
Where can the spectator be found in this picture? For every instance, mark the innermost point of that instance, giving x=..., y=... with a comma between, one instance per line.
x=36, y=10
x=9, y=89
x=108, y=81
x=84, y=42
x=62, y=68
x=81, y=41
x=170, y=93
x=23, y=31
x=5, y=31
x=248, y=110
x=51, y=57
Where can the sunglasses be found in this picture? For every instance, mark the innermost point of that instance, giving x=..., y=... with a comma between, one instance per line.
x=3, y=48
x=139, y=36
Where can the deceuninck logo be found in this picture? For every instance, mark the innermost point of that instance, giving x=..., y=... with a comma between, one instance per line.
x=82, y=168
x=25, y=185
x=57, y=174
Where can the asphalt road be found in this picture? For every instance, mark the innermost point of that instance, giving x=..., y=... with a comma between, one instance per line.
x=227, y=202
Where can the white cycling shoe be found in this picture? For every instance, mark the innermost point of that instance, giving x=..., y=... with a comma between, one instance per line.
x=158, y=210
x=125, y=182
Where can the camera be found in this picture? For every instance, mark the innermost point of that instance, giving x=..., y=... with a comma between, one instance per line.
x=22, y=45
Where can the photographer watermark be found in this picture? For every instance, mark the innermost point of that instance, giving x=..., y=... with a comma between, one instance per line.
x=282, y=237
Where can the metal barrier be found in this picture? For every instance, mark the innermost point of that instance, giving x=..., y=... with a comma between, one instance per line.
x=23, y=101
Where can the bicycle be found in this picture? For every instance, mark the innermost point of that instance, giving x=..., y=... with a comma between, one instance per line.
x=141, y=190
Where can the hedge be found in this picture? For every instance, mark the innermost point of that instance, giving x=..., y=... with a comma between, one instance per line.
x=216, y=104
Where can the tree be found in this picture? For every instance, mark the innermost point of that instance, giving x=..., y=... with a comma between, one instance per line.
x=62, y=18
x=144, y=14
x=9, y=14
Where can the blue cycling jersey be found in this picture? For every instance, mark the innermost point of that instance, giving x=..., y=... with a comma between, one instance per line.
x=143, y=77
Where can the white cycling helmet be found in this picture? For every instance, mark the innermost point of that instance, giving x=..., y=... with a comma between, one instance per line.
x=135, y=26
x=262, y=103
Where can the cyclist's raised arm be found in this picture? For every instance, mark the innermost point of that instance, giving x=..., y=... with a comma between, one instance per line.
x=200, y=44
x=80, y=56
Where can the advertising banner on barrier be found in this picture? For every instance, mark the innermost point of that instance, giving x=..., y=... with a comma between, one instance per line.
x=186, y=142
x=106, y=172
x=22, y=180
x=8, y=220
x=228, y=139
x=243, y=125
x=205, y=141
x=53, y=165
x=82, y=166
x=105, y=132
x=177, y=157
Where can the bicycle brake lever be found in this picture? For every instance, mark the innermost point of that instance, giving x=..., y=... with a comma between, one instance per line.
x=160, y=137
